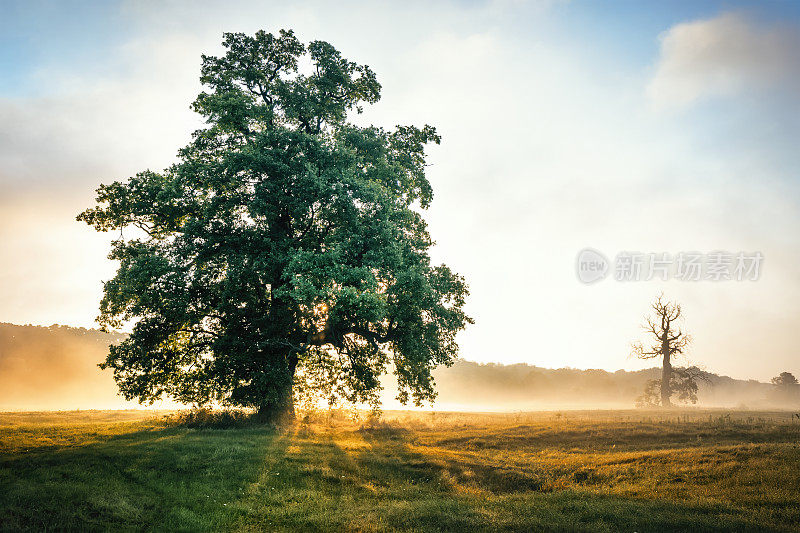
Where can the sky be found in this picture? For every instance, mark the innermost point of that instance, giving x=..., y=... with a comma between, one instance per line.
x=648, y=127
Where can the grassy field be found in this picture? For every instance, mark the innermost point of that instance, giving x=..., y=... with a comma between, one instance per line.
x=570, y=471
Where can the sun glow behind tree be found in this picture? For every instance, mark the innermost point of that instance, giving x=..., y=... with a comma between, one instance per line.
x=286, y=238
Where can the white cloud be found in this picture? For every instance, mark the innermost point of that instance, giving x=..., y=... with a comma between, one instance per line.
x=725, y=56
x=87, y=127
x=56, y=149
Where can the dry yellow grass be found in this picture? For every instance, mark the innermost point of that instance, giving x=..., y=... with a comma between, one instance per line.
x=592, y=471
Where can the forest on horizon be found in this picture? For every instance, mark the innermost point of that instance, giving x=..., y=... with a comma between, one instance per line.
x=55, y=367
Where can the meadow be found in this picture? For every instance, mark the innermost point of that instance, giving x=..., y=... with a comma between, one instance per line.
x=688, y=470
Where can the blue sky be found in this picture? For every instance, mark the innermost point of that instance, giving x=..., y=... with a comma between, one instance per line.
x=649, y=126
x=37, y=35
x=84, y=36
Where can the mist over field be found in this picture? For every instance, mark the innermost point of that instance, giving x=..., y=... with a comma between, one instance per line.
x=56, y=368
x=520, y=387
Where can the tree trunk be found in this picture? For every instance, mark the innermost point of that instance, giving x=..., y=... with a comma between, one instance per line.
x=279, y=408
x=666, y=378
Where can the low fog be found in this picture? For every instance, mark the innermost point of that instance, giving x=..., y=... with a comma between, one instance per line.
x=55, y=367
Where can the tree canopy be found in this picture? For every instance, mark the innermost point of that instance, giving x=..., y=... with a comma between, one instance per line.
x=787, y=388
x=286, y=244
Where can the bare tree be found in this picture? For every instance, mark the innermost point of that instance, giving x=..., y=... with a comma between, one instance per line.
x=669, y=341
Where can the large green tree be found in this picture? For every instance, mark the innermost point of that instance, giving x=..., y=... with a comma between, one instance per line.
x=285, y=246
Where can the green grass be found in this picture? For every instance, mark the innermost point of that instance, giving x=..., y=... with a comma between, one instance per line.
x=576, y=471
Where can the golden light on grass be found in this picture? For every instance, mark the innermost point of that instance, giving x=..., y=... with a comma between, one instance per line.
x=409, y=471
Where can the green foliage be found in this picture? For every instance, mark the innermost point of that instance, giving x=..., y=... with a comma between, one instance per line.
x=285, y=238
x=785, y=381
x=204, y=418
x=785, y=388
x=651, y=396
x=683, y=385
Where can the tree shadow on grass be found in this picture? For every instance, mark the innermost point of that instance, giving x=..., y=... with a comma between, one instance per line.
x=168, y=479
x=262, y=480
x=337, y=482
x=376, y=480
x=486, y=497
